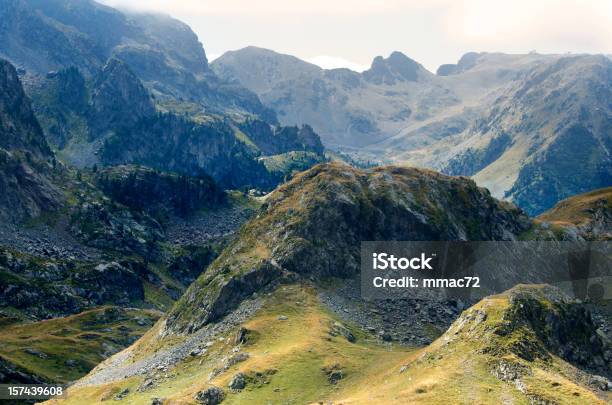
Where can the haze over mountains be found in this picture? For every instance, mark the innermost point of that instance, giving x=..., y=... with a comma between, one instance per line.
x=503, y=119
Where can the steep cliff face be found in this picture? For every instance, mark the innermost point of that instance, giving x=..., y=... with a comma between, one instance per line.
x=118, y=99
x=47, y=36
x=20, y=130
x=169, y=142
x=113, y=120
x=275, y=140
x=25, y=158
x=314, y=225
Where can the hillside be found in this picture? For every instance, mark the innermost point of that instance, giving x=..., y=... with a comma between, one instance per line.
x=69, y=237
x=293, y=350
x=546, y=138
x=313, y=226
x=588, y=215
x=509, y=121
x=511, y=347
x=238, y=333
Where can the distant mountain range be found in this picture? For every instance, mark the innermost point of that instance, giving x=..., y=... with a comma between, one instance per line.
x=533, y=128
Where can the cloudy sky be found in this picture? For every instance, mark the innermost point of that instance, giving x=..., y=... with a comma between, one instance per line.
x=351, y=33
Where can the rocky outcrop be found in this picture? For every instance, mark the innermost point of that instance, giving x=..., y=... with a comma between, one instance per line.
x=49, y=288
x=26, y=161
x=25, y=191
x=313, y=226
x=541, y=321
x=210, y=396
x=11, y=373
x=397, y=67
x=112, y=228
x=526, y=335
x=171, y=143
x=18, y=126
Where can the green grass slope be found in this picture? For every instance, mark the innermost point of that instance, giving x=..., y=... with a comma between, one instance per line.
x=64, y=349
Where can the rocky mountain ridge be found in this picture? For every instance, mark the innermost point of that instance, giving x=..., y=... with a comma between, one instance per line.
x=313, y=225
x=505, y=120
x=163, y=52
x=113, y=120
x=25, y=157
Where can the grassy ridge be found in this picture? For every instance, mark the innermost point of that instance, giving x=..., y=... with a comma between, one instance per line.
x=290, y=362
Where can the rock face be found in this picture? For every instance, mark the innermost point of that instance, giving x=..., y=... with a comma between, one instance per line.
x=112, y=120
x=518, y=124
x=25, y=158
x=535, y=323
x=59, y=288
x=276, y=140
x=560, y=326
x=20, y=129
x=314, y=224
x=165, y=54
x=172, y=143
x=118, y=99
x=397, y=67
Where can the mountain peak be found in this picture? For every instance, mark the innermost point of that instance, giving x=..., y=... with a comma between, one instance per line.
x=327, y=203
x=119, y=98
x=467, y=61
x=397, y=67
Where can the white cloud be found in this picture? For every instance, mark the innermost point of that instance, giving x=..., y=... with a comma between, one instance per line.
x=332, y=62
